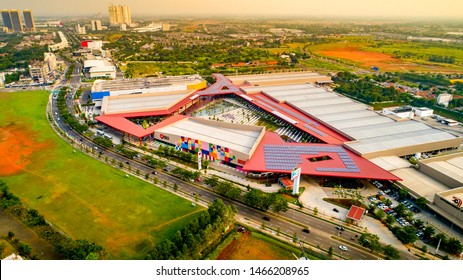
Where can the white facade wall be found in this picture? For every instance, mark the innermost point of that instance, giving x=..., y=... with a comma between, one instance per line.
x=424, y=112
x=167, y=88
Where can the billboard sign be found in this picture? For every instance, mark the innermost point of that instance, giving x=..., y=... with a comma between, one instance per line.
x=295, y=173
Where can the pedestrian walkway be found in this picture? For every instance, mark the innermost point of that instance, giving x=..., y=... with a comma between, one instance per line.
x=242, y=181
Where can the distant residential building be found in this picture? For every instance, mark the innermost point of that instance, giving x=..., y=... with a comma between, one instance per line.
x=93, y=45
x=2, y=79
x=404, y=112
x=96, y=25
x=99, y=68
x=56, y=23
x=42, y=71
x=123, y=27
x=50, y=60
x=444, y=99
x=165, y=26
x=38, y=70
x=29, y=20
x=80, y=29
x=119, y=14
x=16, y=21
x=59, y=46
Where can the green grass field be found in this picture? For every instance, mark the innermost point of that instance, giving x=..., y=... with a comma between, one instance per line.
x=82, y=196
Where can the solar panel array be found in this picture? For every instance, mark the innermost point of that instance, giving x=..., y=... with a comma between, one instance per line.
x=316, y=130
x=278, y=157
x=268, y=105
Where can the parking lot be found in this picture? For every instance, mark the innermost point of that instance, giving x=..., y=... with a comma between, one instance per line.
x=402, y=209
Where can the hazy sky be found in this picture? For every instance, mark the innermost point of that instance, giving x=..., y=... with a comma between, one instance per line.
x=319, y=8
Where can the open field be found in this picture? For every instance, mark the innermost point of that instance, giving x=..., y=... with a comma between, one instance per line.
x=83, y=197
x=256, y=246
x=390, y=55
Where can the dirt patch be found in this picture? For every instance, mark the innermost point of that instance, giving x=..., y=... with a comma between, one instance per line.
x=368, y=59
x=17, y=145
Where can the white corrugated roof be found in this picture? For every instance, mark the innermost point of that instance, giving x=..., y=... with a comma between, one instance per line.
x=373, y=132
x=235, y=139
x=420, y=183
x=140, y=102
x=390, y=163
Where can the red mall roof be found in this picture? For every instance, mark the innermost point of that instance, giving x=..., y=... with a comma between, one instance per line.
x=305, y=122
x=123, y=124
x=274, y=155
x=355, y=213
x=267, y=157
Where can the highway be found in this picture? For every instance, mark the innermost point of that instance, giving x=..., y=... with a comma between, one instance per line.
x=321, y=231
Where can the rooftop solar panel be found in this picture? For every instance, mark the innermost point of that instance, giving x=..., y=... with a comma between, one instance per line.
x=288, y=157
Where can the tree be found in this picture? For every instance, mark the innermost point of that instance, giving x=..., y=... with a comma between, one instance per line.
x=10, y=235
x=453, y=246
x=205, y=163
x=424, y=248
x=390, y=220
x=263, y=225
x=253, y=198
x=24, y=249
x=175, y=187
x=155, y=180
x=406, y=234
x=391, y=253
x=400, y=210
x=280, y=205
x=121, y=165
x=147, y=176
x=418, y=223
x=428, y=232
x=403, y=193
x=138, y=172
x=422, y=202
x=295, y=238
x=278, y=231
x=164, y=184
x=212, y=182
x=315, y=211
x=2, y=249
x=380, y=214
x=370, y=241
x=330, y=251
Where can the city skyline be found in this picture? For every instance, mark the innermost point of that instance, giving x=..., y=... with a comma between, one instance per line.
x=300, y=8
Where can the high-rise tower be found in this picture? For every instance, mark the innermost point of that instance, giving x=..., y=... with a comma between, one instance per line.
x=7, y=19
x=119, y=14
x=29, y=20
x=16, y=21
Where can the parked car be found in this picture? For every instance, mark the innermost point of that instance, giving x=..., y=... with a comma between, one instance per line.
x=265, y=218
x=336, y=210
x=343, y=248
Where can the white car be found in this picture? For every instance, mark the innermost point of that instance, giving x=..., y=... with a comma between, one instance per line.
x=343, y=248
